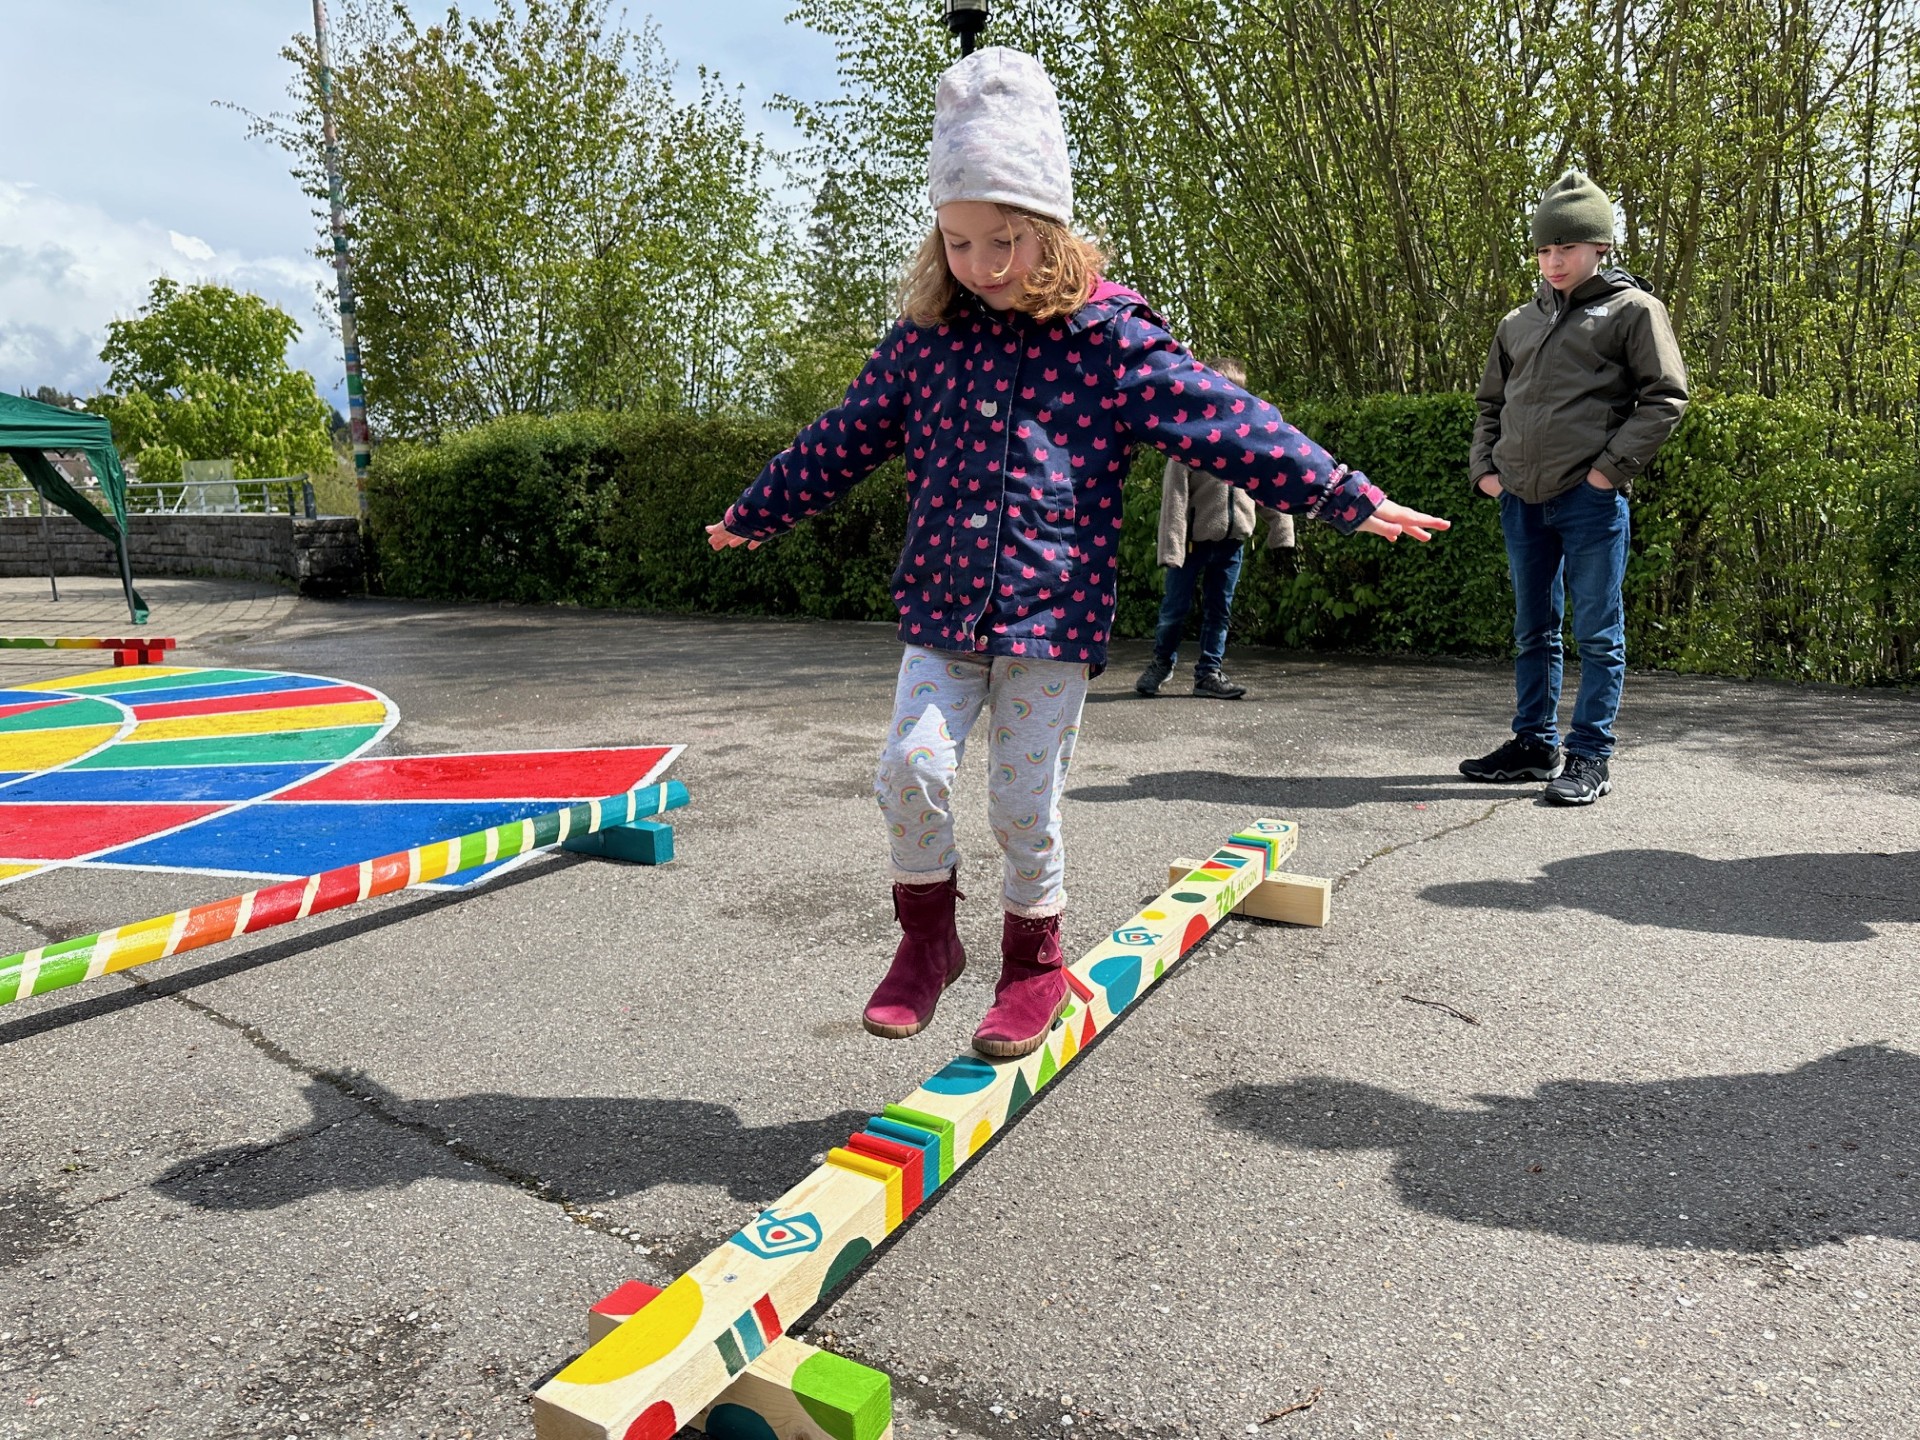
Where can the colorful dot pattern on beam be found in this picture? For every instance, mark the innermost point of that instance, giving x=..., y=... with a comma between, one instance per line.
x=867, y=1188
x=255, y=773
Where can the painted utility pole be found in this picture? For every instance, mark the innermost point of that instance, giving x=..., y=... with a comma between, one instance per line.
x=342, y=265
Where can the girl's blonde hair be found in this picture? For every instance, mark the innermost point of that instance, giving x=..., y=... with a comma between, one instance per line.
x=1060, y=282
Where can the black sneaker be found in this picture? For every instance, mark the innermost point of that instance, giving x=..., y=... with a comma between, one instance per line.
x=1214, y=685
x=1518, y=759
x=1153, y=677
x=1582, y=782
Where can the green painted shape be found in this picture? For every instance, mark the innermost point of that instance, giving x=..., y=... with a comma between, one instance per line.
x=170, y=682
x=1047, y=1068
x=64, y=964
x=1022, y=1093
x=1159, y=968
x=473, y=850
x=939, y=1125
x=546, y=829
x=851, y=1254
x=64, y=716
x=333, y=743
x=848, y=1400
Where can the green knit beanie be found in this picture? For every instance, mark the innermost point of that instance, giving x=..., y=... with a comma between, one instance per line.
x=1574, y=211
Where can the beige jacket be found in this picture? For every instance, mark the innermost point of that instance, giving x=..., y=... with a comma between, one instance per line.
x=1195, y=508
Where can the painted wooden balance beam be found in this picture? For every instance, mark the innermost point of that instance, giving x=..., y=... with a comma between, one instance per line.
x=68, y=962
x=669, y=1362
x=146, y=650
x=1288, y=898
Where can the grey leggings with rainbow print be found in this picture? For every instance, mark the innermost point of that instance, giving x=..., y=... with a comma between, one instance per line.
x=1035, y=717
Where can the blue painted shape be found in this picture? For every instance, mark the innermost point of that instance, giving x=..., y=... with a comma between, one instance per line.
x=772, y=1236
x=749, y=1333
x=271, y=684
x=925, y=1141
x=963, y=1076
x=299, y=838
x=151, y=783
x=735, y=1422
x=1119, y=976
x=153, y=684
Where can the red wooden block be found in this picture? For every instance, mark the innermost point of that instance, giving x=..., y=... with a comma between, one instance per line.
x=126, y=657
x=628, y=1300
x=910, y=1161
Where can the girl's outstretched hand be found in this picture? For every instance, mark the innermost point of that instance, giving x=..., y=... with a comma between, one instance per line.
x=1391, y=521
x=721, y=538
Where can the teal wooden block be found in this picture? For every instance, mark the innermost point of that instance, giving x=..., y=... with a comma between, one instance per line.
x=644, y=842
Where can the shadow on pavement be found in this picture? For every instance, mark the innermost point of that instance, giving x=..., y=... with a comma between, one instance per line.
x=585, y=1148
x=1284, y=793
x=1827, y=898
x=1756, y=1163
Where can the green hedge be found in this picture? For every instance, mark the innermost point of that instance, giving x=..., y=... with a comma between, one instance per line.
x=1770, y=538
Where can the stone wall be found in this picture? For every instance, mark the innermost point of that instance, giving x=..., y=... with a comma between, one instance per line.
x=319, y=556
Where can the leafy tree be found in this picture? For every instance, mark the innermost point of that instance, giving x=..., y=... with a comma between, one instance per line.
x=537, y=223
x=201, y=373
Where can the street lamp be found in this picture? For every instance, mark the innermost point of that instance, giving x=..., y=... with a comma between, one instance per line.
x=966, y=18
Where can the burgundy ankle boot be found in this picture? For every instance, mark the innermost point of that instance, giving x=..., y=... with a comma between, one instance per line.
x=929, y=959
x=1032, y=990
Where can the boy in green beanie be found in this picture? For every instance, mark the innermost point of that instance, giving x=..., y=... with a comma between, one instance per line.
x=1582, y=386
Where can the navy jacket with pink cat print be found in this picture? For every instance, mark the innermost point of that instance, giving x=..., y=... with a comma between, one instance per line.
x=1017, y=435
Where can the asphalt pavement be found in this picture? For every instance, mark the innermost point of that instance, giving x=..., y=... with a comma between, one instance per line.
x=1572, y=1123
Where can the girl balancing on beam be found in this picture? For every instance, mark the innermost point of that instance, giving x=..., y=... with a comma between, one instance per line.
x=1017, y=383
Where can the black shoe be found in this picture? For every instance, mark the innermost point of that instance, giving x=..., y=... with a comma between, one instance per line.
x=1518, y=759
x=1214, y=685
x=1153, y=677
x=1582, y=782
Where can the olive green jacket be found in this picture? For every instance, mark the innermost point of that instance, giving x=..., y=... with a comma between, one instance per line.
x=1593, y=380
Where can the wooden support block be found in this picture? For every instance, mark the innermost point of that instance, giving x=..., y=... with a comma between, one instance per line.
x=643, y=842
x=126, y=657
x=793, y=1391
x=1286, y=897
x=669, y=1362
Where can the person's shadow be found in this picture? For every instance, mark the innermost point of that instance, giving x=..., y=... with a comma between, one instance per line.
x=580, y=1147
x=1819, y=897
x=1282, y=794
x=1760, y=1162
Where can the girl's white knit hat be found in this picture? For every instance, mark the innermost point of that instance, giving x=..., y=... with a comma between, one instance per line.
x=997, y=136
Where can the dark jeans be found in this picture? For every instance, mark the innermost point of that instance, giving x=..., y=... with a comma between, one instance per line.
x=1572, y=546
x=1213, y=566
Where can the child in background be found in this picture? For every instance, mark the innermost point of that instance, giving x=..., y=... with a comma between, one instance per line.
x=1582, y=385
x=1017, y=384
x=1204, y=526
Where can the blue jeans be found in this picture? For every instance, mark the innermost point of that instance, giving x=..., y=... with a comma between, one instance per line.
x=1214, y=566
x=1574, y=545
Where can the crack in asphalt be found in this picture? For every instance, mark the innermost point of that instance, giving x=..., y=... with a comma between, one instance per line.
x=369, y=1104
x=7, y=912
x=1340, y=883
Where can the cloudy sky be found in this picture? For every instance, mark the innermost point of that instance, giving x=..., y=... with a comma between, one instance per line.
x=122, y=164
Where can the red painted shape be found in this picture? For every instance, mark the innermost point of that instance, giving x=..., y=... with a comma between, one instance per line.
x=627, y=1300
x=557, y=775
x=906, y=1157
x=337, y=888
x=1079, y=987
x=1086, y=1035
x=277, y=904
x=656, y=1422
x=62, y=832
x=770, y=1325
x=1197, y=929
x=234, y=704
x=21, y=709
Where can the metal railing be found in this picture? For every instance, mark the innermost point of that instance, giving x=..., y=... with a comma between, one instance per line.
x=189, y=497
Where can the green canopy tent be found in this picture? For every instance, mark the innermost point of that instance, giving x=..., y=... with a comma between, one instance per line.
x=29, y=429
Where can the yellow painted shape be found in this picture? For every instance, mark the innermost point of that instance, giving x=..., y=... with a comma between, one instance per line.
x=261, y=722
x=648, y=1337
x=1069, y=1047
x=874, y=1169
x=982, y=1133
x=44, y=749
x=100, y=677
x=11, y=872
x=137, y=944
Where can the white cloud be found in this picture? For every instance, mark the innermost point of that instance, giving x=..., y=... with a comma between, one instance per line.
x=67, y=268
